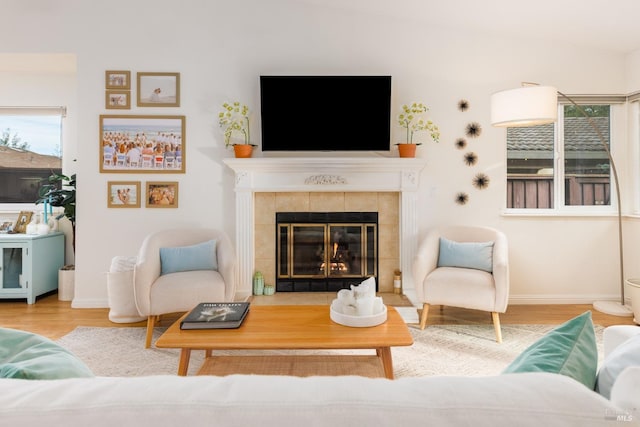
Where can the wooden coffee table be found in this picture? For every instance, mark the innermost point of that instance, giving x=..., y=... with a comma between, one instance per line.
x=291, y=327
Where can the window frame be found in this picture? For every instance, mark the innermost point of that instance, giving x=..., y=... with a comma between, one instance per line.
x=616, y=138
x=60, y=111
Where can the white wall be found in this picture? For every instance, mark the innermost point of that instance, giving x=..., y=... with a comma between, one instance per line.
x=221, y=47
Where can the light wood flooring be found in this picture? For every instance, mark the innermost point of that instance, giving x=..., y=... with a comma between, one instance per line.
x=54, y=319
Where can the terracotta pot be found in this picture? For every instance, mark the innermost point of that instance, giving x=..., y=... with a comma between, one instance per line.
x=243, y=151
x=407, y=150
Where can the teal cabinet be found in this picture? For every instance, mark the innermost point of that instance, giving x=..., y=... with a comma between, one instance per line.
x=29, y=264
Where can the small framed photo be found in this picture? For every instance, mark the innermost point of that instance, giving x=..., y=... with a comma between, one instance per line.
x=162, y=195
x=142, y=144
x=123, y=194
x=24, y=218
x=5, y=227
x=117, y=99
x=117, y=79
x=158, y=90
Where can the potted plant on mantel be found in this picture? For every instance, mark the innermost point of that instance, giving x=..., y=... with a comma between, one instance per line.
x=234, y=118
x=412, y=119
x=60, y=191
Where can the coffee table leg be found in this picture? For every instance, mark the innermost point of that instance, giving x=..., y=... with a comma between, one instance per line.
x=183, y=365
x=384, y=353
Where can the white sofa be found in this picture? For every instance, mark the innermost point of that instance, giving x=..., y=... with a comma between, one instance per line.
x=528, y=399
x=531, y=399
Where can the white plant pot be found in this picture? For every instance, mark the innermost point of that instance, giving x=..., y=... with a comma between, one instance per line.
x=66, y=284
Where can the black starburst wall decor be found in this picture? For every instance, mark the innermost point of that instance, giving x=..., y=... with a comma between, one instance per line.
x=474, y=130
x=463, y=105
x=461, y=143
x=470, y=158
x=481, y=181
x=462, y=198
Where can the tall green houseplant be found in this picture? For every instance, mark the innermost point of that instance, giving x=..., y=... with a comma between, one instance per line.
x=60, y=191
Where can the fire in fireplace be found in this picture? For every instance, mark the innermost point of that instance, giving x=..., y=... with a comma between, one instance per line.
x=325, y=251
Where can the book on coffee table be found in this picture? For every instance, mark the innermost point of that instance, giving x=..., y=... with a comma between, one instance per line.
x=216, y=315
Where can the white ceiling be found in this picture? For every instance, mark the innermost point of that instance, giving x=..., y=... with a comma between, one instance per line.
x=610, y=25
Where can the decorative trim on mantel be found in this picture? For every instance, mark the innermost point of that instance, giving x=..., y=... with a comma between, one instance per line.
x=325, y=174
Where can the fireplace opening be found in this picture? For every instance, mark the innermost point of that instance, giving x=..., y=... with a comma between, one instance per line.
x=325, y=251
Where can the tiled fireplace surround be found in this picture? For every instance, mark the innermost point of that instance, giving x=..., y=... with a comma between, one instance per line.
x=265, y=186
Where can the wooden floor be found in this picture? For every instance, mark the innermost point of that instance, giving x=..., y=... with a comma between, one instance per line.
x=54, y=319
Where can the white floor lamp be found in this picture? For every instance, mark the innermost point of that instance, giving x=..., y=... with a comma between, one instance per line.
x=533, y=105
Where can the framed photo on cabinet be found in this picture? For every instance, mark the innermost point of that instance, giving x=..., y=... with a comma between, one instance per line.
x=162, y=195
x=24, y=218
x=158, y=90
x=142, y=144
x=123, y=194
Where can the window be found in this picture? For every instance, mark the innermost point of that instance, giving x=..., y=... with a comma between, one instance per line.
x=30, y=151
x=559, y=165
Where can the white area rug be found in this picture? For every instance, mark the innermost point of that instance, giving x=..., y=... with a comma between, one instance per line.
x=464, y=350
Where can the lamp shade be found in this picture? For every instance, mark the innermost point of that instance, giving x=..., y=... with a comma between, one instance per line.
x=525, y=106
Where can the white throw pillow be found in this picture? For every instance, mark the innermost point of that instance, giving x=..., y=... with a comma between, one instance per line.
x=625, y=355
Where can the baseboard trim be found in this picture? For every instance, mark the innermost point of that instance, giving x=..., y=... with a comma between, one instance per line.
x=90, y=303
x=513, y=300
x=561, y=299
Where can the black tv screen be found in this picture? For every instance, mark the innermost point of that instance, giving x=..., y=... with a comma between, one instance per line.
x=325, y=113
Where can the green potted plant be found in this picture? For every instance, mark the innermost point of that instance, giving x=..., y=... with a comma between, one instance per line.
x=234, y=118
x=60, y=191
x=412, y=118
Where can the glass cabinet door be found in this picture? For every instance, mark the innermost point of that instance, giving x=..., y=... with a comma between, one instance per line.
x=11, y=268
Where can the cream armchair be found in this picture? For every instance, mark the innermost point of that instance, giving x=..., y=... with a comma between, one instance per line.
x=179, y=290
x=459, y=286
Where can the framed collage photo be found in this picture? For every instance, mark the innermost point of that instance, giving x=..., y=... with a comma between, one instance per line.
x=123, y=194
x=158, y=90
x=139, y=144
x=162, y=195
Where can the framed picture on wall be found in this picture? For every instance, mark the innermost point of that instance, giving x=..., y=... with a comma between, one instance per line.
x=158, y=90
x=162, y=195
x=142, y=144
x=123, y=194
x=117, y=79
x=117, y=99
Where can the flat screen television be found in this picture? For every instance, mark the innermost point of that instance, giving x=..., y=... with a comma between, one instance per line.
x=325, y=113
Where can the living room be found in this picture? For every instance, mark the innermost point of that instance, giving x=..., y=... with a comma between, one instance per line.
x=439, y=53
x=221, y=49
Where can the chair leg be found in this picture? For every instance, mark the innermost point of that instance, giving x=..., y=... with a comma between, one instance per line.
x=496, y=325
x=423, y=316
x=151, y=322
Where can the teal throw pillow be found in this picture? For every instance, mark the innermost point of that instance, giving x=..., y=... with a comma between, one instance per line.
x=476, y=255
x=187, y=258
x=625, y=355
x=24, y=355
x=570, y=349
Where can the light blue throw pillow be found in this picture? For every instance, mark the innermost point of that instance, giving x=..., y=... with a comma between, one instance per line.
x=570, y=349
x=187, y=258
x=625, y=355
x=476, y=255
x=24, y=355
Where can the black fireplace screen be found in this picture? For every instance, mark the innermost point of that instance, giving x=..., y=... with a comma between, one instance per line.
x=325, y=251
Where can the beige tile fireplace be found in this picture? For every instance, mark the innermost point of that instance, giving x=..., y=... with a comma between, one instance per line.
x=265, y=186
x=385, y=203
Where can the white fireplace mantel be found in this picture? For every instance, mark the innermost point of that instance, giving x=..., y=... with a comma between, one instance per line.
x=325, y=174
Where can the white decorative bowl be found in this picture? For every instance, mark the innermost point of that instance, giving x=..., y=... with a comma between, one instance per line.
x=359, y=321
